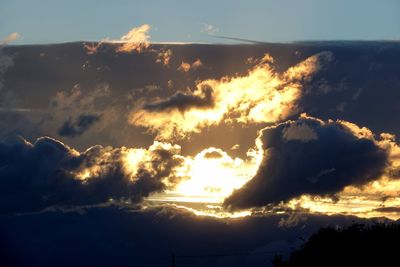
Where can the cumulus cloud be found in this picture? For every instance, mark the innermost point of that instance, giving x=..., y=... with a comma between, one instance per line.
x=321, y=161
x=262, y=95
x=37, y=175
x=137, y=39
x=77, y=127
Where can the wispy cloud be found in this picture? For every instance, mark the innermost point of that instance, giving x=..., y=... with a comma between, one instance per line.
x=209, y=29
x=10, y=38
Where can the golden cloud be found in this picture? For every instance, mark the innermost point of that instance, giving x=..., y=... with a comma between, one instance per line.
x=163, y=56
x=262, y=95
x=10, y=38
x=186, y=67
x=137, y=39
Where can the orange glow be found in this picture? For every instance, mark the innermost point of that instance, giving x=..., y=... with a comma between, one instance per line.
x=214, y=178
x=263, y=95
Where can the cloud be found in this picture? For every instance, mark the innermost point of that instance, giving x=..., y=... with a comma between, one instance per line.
x=163, y=56
x=79, y=126
x=322, y=161
x=37, y=175
x=300, y=132
x=93, y=47
x=6, y=61
x=76, y=112
x=137, y=39
x=10, y=38
x=209, y=29
x=186, y=67
x=395, y=209
x=262, y=95
x=202, y=98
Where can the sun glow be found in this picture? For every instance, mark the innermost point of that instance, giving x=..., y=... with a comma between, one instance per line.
x=206, y=180
x=213, y=175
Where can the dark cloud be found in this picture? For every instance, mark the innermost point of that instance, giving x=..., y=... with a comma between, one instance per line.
x=182, y=101
x=47, y=172
x=395, y=209
x=309, y=156
x=74, y=128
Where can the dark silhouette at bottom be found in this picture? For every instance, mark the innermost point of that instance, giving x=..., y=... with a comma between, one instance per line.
x=357, y=245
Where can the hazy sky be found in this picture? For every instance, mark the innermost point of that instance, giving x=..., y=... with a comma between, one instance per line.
x=48, y=21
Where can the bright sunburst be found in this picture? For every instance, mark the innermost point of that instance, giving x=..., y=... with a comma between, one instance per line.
x=213, y=175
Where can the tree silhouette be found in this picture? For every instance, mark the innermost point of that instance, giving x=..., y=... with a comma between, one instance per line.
x=357, y=245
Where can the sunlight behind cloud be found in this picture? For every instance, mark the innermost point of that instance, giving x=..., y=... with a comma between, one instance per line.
x=262, y=95
x=214, y=175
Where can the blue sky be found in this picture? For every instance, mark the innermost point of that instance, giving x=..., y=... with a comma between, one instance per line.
x=53, y=21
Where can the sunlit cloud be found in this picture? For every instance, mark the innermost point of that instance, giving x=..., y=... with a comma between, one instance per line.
x=186, y=67
x=164, y=56
x=376, y=199
x=69, y=177
x=213, y=175
x=318, y=158
x=162, y=173
x=137, y=39
x=262, y=95
x=93, y=47
x=10, y=38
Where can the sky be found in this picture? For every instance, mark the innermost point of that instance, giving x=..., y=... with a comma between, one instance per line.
x=48, y=21
x=125, y=150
